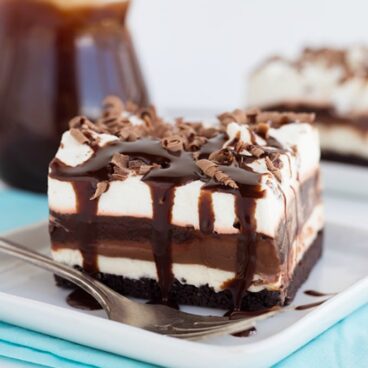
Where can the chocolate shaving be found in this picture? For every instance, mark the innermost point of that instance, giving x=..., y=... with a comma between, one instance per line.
x=255, y=150
x=76, y=122
x=251, y=115
x=120, y=174
x=185, y=129
x=141, y=168
x=262, y=129
x=149, y=116
x=270, y=165
x=174, y=143
x=120, y=160
x=275, y=170
x=210, y=169
x=237, y=116
x=144, y=169
x=222, y=157
x=207, y=132
x=84, y=125
x=277, y=174
x=79, y=136
x=101, y=188
x=196, y=143
x=274, y=155
x=135, y=164
x=240, y=146
x=128, y=134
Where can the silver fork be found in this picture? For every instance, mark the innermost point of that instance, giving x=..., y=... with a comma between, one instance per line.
x=156, y=318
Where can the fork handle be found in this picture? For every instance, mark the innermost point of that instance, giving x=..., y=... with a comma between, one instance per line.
x=84, y=281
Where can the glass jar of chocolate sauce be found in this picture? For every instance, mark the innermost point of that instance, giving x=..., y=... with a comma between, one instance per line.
x=59, y=58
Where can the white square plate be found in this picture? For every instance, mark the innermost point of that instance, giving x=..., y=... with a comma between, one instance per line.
x=30, y=299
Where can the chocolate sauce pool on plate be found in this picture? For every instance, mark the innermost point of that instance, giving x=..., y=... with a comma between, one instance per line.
x=317, y=293
x=308, y=306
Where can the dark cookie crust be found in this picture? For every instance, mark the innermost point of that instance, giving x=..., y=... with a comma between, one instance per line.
x=205, y=296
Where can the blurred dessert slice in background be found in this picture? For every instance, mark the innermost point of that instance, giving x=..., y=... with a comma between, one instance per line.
x=332, y=83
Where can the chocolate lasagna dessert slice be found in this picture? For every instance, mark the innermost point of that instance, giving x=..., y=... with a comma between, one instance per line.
x=226, y=216
x=331, y=82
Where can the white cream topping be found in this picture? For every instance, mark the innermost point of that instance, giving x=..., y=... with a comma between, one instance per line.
x=306, y=140
x=132, y=197
x=72, y=153
x=313, y=83
x=195, y=274
x=234, y=129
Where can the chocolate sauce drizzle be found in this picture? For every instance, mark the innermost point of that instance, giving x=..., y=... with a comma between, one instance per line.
x=317, y=293
x=245, y=203
x=206, y=213
x=162, y=202
x=87, y=209
x=311, y=305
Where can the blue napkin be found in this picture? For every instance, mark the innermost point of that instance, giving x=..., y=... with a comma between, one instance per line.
x=343, y=345
x=23, y=345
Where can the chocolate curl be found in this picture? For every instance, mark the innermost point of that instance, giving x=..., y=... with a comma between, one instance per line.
x=255, y=150
x=120, y=160
x=76, y=123
x=101, y=188
x=149, y=116
x=252, y=114
x=79, y=136
x=210, y=169
x=237, y=116
x=120, y=167
x=141, y=168
x=196, y=143
x=262, y=129
x=129, y=134
x=274, y=167
x=222, y=157
x=174, y=143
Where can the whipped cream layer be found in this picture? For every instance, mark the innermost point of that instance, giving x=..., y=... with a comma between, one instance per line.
x=195, y=274
x=132, y=197
x=320, y=78
x=344, y=140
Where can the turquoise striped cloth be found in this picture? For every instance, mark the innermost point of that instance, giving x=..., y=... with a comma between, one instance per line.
x=343, y=345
